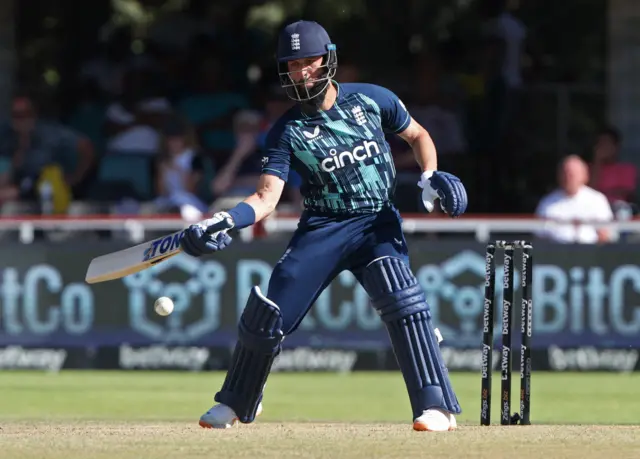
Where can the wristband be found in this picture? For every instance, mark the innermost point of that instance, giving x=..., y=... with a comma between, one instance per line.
x=243, y=215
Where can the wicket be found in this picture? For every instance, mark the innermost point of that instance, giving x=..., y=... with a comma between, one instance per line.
x=509, y=247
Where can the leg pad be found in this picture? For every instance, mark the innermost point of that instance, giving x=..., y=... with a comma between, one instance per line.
x=400, y=302
x=259, y=343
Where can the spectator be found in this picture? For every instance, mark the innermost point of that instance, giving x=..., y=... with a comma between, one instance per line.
x=132, y=121
x=572, y=204
x=615, y=179
x=32, y=145
x=179, y=170
x=239, y=172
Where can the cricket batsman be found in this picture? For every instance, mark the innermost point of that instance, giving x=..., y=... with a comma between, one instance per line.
x=334, y=137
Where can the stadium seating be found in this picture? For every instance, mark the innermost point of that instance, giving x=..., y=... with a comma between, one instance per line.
x=134, y=171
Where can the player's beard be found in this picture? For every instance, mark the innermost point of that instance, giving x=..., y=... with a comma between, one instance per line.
x=317, y=92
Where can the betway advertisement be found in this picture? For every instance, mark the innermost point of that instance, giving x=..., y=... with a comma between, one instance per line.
x=582, y=296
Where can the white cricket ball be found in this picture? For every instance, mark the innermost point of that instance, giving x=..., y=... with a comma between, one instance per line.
x=163, y=306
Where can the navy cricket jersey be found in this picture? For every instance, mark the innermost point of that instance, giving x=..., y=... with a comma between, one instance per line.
x=341, y=154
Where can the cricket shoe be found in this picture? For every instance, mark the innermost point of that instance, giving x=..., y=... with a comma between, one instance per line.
x=435, y=420
x=221, y=416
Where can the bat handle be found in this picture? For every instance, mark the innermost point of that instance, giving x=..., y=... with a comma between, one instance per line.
x=227, y=223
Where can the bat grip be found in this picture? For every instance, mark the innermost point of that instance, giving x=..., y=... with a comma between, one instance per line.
x=219, y=227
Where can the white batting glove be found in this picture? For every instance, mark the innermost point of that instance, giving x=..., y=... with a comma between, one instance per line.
x=215, y=220
x=429, y=195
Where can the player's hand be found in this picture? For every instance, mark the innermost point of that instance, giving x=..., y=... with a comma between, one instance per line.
x=447, y=188
x=208, y=236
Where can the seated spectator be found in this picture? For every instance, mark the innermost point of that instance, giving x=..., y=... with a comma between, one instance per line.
x=127, y=134
x=132, y=121
x=617, y=180
x=32, y=146
x=179, y=170
x=572, y=204
x=239, y=172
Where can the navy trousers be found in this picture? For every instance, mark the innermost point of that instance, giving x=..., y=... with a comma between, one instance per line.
x=321, y=248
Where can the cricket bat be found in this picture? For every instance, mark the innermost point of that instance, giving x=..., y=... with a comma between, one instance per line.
x=134, y=259
x=142, y=256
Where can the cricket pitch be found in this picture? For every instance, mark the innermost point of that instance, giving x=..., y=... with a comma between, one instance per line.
x=99, y=440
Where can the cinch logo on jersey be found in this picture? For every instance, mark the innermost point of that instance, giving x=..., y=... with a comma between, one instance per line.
x=346, y=158
x=163, y=246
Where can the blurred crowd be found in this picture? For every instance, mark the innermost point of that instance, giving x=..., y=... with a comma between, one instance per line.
x=169, y=129
x=179, y=126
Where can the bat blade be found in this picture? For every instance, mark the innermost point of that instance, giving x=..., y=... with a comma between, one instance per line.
x=122, y=263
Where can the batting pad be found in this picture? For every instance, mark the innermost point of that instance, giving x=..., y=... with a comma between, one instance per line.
x=400, y=302
x=259, y=343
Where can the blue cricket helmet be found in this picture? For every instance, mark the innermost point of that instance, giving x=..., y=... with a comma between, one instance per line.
x=301, y=40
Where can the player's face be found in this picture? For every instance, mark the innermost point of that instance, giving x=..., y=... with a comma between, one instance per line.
x=307, y=70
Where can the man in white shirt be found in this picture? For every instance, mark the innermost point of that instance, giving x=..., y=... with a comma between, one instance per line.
x=574, y=202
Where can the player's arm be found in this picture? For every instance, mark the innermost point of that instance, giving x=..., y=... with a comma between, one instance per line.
x=396, y=119
x=267, y=195
x=275, y=171
x=424, y=150
x=210, y=235
x=435, y=185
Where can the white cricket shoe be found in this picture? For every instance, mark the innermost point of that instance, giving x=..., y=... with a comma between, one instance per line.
x=221, y=416
x=435, y=420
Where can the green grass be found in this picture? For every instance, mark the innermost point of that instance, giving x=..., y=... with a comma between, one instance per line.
x=557, y=398
x=95, y=415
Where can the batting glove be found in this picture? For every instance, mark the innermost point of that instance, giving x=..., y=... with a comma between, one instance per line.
x=447, y=188
x=208, y=236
